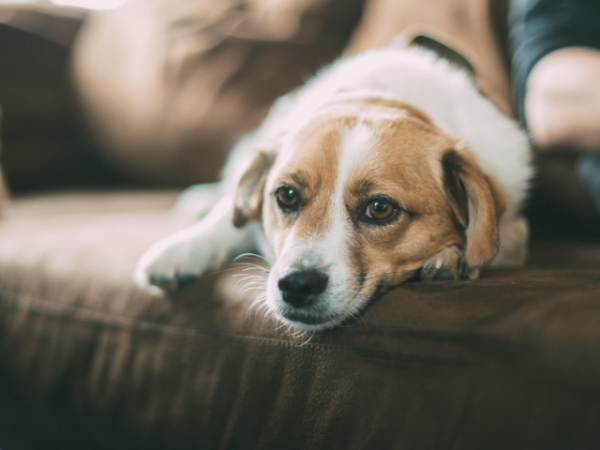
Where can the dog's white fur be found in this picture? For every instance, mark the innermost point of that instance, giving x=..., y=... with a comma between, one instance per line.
x=411, y=75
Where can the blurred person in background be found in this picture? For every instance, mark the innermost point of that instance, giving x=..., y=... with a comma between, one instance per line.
x=556, y=72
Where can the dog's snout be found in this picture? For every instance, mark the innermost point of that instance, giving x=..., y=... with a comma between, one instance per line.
x=301, y=287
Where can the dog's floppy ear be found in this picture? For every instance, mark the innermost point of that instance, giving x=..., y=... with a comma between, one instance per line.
x=249, y=194
x=476, y=205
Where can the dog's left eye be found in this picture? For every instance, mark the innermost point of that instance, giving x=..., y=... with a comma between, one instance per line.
x=379, y=210
x=287, y=198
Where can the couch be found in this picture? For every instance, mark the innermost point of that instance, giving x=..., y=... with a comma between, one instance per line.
x=90, y=361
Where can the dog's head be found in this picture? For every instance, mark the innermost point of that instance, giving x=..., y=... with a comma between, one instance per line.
x=365, y=195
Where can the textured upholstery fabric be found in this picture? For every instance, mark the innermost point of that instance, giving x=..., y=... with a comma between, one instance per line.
x=508, y=361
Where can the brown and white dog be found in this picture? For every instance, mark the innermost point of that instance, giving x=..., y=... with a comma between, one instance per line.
x=387, y=166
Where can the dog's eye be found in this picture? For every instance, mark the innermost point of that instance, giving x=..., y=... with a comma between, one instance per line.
x=287, y=198
x=379, y=210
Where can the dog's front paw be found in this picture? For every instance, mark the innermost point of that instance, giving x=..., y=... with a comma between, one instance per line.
x=447, y=264
x=170, y=266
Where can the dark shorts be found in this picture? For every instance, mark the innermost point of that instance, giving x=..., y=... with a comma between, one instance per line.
x=539, y=27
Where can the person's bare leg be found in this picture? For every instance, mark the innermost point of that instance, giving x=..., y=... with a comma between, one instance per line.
x=562, y=105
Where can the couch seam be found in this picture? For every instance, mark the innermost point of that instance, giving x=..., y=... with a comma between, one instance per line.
x=75, y=313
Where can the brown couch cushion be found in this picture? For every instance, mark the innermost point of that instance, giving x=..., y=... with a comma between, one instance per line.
x=43, y=141
x=508, y=361
x=559, y=200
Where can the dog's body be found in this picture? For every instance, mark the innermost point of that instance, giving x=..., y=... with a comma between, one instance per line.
x=386, y=166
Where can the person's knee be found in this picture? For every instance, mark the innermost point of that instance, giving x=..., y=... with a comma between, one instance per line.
x=562, y=104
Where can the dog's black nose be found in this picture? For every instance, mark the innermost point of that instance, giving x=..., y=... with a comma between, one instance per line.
x=301, y=288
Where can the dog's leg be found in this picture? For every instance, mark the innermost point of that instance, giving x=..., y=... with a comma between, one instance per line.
x=178, y=259
x=447, y=264
x=514, y=236
x=197, y=201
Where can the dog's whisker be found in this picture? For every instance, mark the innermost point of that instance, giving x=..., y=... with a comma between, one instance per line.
x=251, y=280
x=242, y=275
x=252, y=286
x=260, y=307
x=262, y=296
x=239, y=282
x=263, y=307
x=246, y=267
x=295, y=334
x=281, y=326
x=308, y=340
x=242, y=279
x=246, y=274
x=257, y=267
x=257, y=304
x=253, y=255
x=357, y=316
x=224, y=270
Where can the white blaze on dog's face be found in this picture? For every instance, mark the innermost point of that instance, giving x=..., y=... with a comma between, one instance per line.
x=357, y=201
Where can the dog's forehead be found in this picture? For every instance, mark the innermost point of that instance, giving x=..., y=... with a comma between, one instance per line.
x=351, y=147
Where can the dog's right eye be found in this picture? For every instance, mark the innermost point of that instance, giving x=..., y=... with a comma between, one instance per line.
x=379, y=211
x=287, y=198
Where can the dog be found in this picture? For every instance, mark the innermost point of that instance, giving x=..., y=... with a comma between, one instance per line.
x=387, y=166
